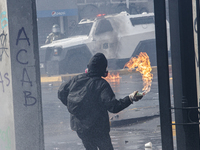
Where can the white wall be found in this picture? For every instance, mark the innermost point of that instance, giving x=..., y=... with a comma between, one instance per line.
x=7, y=134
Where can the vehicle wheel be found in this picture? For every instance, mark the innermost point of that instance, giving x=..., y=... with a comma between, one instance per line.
x=77, y=64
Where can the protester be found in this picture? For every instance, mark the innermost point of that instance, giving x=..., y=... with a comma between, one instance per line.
x=88, y=98
x=54, y=35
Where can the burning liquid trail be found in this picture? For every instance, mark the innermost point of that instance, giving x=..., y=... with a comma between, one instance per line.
x=142, y=64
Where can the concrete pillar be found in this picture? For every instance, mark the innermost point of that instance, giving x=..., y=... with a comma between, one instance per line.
x=184, y=74
x=21, y=126
x=163, y=74
x=61, y=24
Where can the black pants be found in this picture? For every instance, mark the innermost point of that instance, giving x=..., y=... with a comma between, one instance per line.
x=95, y=141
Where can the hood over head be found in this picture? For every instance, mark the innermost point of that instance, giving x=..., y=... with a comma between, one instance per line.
x=97, y=65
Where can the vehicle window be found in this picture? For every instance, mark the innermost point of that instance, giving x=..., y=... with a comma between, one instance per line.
x=82, y=29
x=103, y=26
x=142, y=20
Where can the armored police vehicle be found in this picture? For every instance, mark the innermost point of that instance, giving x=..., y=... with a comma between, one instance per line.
x=118, y=37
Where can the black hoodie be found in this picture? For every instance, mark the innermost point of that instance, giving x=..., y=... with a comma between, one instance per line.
x=97, y=65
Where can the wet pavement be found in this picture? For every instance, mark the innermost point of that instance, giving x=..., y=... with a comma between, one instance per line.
x=131, y=128
x=135, y=136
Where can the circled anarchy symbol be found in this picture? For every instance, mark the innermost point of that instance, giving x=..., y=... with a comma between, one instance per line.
x=3, y=47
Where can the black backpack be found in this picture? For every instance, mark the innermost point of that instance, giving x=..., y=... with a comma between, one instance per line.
x=63, y=92
x=82, y=100
x=80, y=97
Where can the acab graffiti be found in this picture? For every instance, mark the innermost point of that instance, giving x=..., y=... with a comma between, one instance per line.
x=5, y=136
x=22, y=37
x=29, y=100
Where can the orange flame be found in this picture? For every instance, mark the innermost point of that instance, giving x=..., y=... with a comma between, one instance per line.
x=113, y=77
x=144, y=67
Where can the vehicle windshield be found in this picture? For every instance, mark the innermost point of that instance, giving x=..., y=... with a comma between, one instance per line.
x=82, y=29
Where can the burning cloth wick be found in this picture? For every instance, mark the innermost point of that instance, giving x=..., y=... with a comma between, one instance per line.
x=143, y=65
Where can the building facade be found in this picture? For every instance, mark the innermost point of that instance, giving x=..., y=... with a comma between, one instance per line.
x=50, y=12
x=67, y=13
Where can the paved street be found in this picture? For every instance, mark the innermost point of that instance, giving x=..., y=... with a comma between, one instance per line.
x=131, y=129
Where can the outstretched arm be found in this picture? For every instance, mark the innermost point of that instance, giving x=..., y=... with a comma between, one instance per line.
x=111, y=103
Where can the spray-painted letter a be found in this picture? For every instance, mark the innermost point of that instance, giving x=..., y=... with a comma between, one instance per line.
x=22, y=38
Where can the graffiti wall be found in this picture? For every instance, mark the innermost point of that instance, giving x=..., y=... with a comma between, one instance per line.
x=20, y=90
x=7, y=135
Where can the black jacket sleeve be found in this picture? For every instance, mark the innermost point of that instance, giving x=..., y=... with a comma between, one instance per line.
x=111, y=103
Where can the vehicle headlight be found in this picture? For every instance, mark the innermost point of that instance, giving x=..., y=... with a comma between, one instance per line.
x=55, y=51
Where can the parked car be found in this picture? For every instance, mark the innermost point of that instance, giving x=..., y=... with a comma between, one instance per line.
x=117, y=36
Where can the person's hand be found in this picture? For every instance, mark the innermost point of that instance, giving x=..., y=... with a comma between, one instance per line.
x=135, y=96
